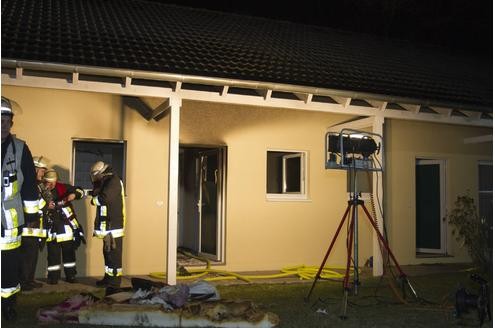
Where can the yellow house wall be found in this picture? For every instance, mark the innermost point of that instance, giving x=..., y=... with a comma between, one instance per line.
x=48, y=121
x=263, y=234
x=408, y=140
x=260, y=234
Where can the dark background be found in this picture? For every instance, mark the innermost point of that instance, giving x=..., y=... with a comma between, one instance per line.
x=462, y=26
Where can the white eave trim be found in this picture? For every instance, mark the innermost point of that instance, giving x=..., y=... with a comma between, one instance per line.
x=120, y=81
x=479, y=139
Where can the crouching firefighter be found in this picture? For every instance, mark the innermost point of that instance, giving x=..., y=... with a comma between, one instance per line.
x=19, y=206
x=108, y=196
x=65, y=233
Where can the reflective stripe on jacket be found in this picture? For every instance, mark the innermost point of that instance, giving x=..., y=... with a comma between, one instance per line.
x=10, y=240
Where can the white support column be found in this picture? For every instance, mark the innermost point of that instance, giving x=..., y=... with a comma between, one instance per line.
x=378, y=199
x=173, y=186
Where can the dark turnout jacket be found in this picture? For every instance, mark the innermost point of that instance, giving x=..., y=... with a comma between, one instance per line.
x=108, y=196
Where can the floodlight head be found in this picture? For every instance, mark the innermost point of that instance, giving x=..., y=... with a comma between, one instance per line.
x=352, y=144
x=351, y=149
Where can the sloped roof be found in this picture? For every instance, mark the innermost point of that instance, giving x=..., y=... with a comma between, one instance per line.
x=150, y=36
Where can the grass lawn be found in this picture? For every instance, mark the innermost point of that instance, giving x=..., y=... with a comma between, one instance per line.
x=376, y=305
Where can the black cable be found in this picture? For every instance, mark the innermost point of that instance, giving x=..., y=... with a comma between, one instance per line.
x=385, y=232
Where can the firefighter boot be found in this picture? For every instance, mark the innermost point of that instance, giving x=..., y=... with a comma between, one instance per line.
x=36, y=284
x=26, y=286
x=70, y=275
x=103, y=282
x=112, y=290
x=53, y=277
x=8, y=308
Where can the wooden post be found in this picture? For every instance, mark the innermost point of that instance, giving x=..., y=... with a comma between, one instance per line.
x=173, y=186
x=378, y=195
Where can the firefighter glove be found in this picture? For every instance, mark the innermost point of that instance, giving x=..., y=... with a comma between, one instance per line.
x=79, y=238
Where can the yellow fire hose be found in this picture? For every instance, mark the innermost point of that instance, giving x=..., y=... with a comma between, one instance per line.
x=301, y=271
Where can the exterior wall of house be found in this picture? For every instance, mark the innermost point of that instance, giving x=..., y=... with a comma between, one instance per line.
x=407, y=141
x=49, y=121
x=261, y=234
x=270, y=235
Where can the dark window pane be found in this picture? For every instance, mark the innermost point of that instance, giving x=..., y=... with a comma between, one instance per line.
x=485, y=177
x=274, y=172
x=486, y=207
x=86, y=153
x=293, y=174
x=428, y=229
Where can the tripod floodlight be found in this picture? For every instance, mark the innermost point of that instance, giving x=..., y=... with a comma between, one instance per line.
x=353, y=150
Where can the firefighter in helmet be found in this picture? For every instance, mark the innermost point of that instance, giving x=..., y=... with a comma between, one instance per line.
x=33, y=238
x=65, y=233
x=41, y=166
x=108, y=196
x=19, y=207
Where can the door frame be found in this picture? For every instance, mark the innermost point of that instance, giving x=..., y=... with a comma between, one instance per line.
x=219, y=258
x=443, y=203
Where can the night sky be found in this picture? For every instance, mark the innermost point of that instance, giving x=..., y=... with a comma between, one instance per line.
x=462, y=26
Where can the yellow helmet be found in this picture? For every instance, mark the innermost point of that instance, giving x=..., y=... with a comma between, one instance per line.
x=97, y=170
x=50, y=176
x=40, y=161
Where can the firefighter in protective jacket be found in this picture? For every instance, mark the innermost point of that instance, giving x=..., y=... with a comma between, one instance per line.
x=108, y=196
x=19, y=207
x=65, y=233
x=33, y=238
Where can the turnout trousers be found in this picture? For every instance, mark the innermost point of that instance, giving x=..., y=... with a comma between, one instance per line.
x=29, y=257
x=10, y=276
x=59, y=252
x=113, y=264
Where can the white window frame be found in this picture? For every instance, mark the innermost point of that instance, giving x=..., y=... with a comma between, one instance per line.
x=291, y=196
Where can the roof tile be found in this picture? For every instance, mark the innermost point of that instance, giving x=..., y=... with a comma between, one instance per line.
x=136, y=34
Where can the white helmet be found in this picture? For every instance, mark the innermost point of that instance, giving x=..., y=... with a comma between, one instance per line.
x=6, y=107
x=10, y=107
x=97, y=170
x=40, y=162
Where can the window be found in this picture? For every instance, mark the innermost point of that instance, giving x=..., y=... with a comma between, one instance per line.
x=485, y=186
x=286, y=174
x=86, y=152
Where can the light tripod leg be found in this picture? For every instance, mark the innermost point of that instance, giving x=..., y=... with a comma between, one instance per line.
x=356, y=248
x=410, y=287
x=349, y=251
x=385, y=244
x=344, y=217
x=350, y=236
x=343, y=316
